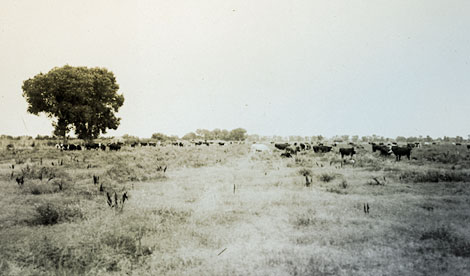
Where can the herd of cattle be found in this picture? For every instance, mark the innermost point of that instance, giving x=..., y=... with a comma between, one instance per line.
x=385, y=150
x=289, y=149
x=117, y=146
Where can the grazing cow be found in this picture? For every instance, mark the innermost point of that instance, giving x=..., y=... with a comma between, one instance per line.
x=468, y=147
x=347, y=151
x=114, y=146
x=302, y=146
x=221, y=143
x=321, y=148
x=400, y=151
x=281, y=146
x=152, y=144
x=384, y=150
x=286, y=155
x=291, y=150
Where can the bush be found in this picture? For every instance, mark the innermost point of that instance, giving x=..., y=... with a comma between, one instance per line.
x=50, y=214
x=305, y=172
x=47, y=214
x=36, y=187
x=326, y=177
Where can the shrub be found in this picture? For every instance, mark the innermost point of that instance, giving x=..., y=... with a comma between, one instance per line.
x=36, y=187
x=47, y=214
x=326, y=177
x=305, y=172
x=50, y=213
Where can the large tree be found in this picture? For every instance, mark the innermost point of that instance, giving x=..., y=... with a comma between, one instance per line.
x=76, y=98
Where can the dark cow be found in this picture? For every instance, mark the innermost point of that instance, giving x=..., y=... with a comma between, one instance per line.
x=152, y=144
x=68, y=147
x=302, y=146
x=114, y=146
x=221, y=143
x=384, y=150
x=468, y=147
x=95, y=146
x=322, y=149
x=291, y=150
x=346, y=152
x=400, y=151
x=286, y=155
x=281, y=146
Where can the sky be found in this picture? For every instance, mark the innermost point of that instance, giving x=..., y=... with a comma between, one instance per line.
x=391, y=68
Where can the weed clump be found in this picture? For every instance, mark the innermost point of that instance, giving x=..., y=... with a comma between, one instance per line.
x=50, y=213
x=47, y=214
x=326, y=177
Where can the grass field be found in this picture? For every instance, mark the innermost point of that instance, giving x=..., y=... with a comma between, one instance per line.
x=223, y=210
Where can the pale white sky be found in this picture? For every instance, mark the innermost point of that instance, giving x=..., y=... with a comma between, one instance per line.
x=272, y=67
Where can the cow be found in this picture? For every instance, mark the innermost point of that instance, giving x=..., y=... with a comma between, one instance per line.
x=114, y=146
x=286, y=155
x=291, y=150
x=321, y=148
x=384, y=150
x=221, y=143
x=400, y=151
x=346, y=152
x=468, y=147
x=281, y=146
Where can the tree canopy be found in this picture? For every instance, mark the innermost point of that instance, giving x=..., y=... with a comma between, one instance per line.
x=76, y=98
x=238, y=134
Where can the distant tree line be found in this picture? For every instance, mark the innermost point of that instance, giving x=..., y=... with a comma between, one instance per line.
x=238, y=134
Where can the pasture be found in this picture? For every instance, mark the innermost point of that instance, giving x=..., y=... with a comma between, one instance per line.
x=224, y=210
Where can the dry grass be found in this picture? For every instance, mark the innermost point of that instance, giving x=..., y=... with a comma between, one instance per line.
x=225, y=211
